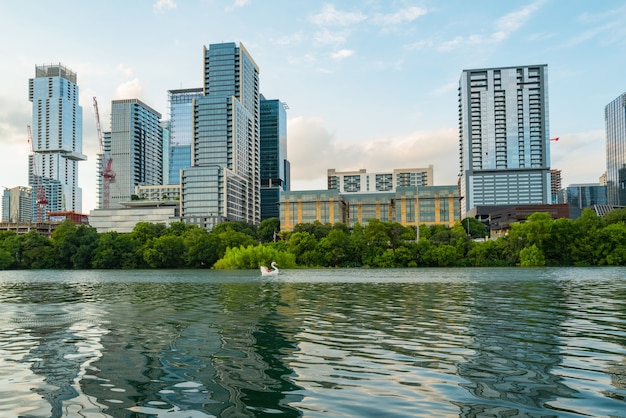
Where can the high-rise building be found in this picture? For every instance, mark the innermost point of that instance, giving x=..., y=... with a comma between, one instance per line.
x=181, y=135
x=223, y=182
x=57, y=137
x=615, y=120
x=135, y=144
x=504, y=137
x=17, y=205
x=555, y=187
x=274, y=166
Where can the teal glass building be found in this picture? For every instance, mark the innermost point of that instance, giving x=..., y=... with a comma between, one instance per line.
x=274, y=166
x=615, y=121
x=57, y=134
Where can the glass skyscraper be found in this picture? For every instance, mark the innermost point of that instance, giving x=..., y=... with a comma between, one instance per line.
x=504, y=137
x=274, y=167
x=223, y=182
x=135, y=143
x=181, y=118
x=615, y=120
x=57, y=133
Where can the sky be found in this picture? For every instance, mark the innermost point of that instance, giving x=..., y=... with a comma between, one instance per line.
x=369, y=84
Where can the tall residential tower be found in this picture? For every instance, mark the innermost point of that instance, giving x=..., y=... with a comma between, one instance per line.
x=181, y=120
x=223, y=182
x=57, y=137
x=135, y=144
x=615, y=120
x=504, y=137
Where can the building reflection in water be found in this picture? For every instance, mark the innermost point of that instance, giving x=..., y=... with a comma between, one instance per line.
x=515, y=333
x=213, y=350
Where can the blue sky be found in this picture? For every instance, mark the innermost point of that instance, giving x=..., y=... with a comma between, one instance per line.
x=369, y=84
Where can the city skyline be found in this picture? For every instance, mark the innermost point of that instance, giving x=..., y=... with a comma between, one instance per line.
x=369, y=85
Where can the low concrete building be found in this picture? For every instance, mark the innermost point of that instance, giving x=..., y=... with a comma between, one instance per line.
x=124, y=219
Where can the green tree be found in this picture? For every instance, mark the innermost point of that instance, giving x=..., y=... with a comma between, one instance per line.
x=611, y=248
x=303, y=246
x=166, y=252
x=267, y=230
x=532, y=257
x=202, y=249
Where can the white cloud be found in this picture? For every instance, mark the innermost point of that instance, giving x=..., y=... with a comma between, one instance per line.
x=329, y=16
x=129, y=90
x=236, y=4
x=161, y=6
x=580, y=156
x=408, y=14
x=326, y=37
x=313, y=149
x=342, y=53
x=504, y=27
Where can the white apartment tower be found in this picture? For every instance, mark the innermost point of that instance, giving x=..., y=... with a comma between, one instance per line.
x=57, y=134
x=504, y=137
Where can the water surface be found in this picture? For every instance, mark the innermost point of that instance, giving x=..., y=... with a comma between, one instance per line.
x=314, y=343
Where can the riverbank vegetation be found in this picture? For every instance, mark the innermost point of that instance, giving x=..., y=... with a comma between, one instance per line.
x=539, y=241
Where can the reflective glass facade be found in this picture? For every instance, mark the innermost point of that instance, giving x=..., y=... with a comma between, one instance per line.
x=57, y=131
x=584, y=195
x=615, y=120
x=223, y=182
x=181, y=130
x=136, y=148
x=504, y=137
x=274, y=167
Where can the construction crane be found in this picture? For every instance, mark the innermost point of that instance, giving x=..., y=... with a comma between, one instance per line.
x=108, y=175
x=38, y=188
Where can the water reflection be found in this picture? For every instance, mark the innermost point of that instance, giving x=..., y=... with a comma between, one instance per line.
x=434, y=343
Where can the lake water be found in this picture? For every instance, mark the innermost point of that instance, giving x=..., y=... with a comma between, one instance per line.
x=314, y=343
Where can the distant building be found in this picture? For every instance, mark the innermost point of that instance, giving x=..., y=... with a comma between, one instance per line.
x=57, y=133
x=409, y=206
x=584, y=195
x=181, y=120
x=615, y=121
x=501, y=218
x=17, y=205
x=223, y=182
x=555, y=185
x=274, y=166
x=363, y=182
x=122, y=219
x=504, y=137
x=136, y=148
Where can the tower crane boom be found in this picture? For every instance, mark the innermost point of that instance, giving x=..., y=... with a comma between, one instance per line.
x=107, y=173
x=41, y=201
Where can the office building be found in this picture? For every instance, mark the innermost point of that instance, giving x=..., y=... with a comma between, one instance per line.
x=17, y=205
x=223, y=182
x=584, y=195
x=135, y=143
x=504, y=137
x=363, y=182
x=555, y=185
x=181, y=131
x=615, y=121
x=57, y=135
x=274, y=166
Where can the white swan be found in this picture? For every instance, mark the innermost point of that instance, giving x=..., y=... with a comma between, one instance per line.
x=265, y=271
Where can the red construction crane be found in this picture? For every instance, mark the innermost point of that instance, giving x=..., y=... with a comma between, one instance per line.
x=108, y=175
x=40, y=192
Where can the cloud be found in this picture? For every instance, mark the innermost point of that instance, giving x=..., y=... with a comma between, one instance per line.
x=236, y=4
x=161, y=6
x=408, y=14
x=124, y=70
x=329, y=16
x=313, y=149
x=129, y=90
x=341, y=54
x=326, y=37
x=580, y=156
x=505, y=26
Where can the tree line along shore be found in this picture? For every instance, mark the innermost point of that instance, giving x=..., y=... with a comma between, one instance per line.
x=539, y=241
